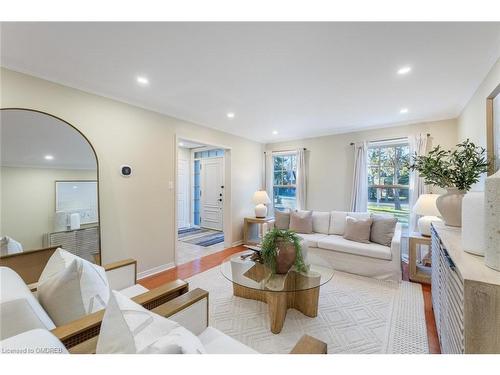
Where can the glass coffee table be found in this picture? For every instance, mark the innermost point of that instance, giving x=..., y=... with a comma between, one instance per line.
x=298, y=290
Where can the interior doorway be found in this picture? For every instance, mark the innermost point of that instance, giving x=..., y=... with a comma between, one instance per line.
x=201, y=193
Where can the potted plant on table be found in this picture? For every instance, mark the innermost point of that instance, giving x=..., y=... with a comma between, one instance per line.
x=456, y=171
x=281, y=249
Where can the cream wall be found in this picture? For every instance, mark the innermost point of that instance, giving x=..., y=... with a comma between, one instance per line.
x=137, y=213
x=28, y=201
x=472, y=120
x=330, y=159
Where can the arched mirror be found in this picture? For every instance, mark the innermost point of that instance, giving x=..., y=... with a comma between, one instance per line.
x=49, y=186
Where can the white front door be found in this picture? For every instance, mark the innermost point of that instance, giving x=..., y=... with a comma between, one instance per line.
x=183, y=188
x=212, y=190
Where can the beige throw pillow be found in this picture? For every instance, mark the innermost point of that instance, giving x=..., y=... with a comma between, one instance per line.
x=301, y=222
x=357, y=230
x=281, y=219
x=383, y=227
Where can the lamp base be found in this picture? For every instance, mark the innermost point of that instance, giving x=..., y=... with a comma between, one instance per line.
x=424, y=224
x=260, y=211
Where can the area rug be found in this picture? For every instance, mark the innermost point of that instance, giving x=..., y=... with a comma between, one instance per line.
x=356, y=315
x=206, y=240
x=187, y=232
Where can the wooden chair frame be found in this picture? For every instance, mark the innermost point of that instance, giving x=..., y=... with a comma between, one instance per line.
x=306, y=344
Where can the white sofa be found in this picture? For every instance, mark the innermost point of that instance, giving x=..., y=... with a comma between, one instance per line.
x=365, y=259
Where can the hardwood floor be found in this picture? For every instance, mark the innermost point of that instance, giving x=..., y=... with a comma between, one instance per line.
x=187, y=270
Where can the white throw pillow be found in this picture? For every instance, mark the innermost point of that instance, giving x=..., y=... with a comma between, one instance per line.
x=129, y=328
x=59, y=260
x=79, y=289
x=321, y=222
x=337, y=222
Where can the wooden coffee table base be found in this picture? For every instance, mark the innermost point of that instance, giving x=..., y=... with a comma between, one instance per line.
x=305, y=301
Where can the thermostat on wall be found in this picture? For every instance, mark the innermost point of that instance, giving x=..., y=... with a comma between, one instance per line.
x=126, y=170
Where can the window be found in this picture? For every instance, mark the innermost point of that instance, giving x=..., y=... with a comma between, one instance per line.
x=389, y=179
x=285, y=168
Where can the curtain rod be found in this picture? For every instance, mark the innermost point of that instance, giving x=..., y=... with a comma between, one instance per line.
x=305, y=149
x=392, y=139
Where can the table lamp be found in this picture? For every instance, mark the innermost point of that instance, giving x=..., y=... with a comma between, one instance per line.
x=427, y=209
x=260, y=199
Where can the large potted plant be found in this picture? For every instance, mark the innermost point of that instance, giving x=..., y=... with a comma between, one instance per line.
x=281, y=249
x=454, y=170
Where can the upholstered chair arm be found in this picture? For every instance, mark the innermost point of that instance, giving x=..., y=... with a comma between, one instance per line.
x=88, y=326
x=396, y=243
x=121, y=274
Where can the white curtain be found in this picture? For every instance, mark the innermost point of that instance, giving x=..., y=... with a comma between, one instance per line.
x=301, y=190
x=418, y=145
x=359, y=195
x=269, y=176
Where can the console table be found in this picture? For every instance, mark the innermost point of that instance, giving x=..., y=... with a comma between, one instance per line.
x=465, y=296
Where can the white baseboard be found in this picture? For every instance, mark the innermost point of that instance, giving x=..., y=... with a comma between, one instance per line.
x=155, y=270
x=237, y=243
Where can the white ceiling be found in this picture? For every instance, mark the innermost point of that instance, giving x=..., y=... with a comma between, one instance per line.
x=301, y=79
x=27, y=137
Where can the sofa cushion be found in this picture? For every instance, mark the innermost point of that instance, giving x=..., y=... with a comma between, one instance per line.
x=338, y=243
x=358, y=230
x=301, y=221
x=321, y=222
x=312, y=239
x=337, y=220
x=79, y=289
x=383, y=227
x=17, y=316
x=216, y=342
x=27, y=310
x=129, y=328
x=281, y=219
x=133, y=291
x=36, y=341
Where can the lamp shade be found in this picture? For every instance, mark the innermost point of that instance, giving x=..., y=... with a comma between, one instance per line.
x=261, y=197
x=426, y=205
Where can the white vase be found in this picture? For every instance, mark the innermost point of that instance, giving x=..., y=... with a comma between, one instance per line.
x=473, y=223
x=492, y=253
x=450, y=206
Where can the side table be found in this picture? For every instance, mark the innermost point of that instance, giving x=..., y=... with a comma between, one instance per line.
x=418, y=272
x=253, y=229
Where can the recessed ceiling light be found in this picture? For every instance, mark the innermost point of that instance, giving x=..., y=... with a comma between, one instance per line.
x=48, y=157
x=141, y=80
x=404, y=70
x=275, y=132
x=181, y=144
x=230, y=115
x=403, y=110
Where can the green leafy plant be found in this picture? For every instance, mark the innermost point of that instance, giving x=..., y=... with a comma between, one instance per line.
x=460, y=168
x=269, y=250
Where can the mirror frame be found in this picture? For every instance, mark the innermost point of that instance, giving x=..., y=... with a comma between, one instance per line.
x=97, y=172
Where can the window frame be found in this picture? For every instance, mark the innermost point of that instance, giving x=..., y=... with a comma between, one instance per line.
x=294, y=170
x=394, y=143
